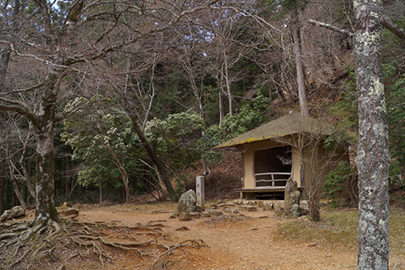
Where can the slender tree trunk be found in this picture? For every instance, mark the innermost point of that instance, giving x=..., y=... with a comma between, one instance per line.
x=373, y=153
x=300, y=71
x=155, y=159
x=14, y=199
x=5, y=50
x=100, y=192
x=17, y=192
x=134, y=183
x=2, y=180
x=67, y=178
x=299, y=63
x=221, y=107
x=228, y=85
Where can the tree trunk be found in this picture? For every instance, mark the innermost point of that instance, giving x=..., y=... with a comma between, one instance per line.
x=44, y=125
x=298, y=59
x=373, y=153
x=155, y=159
x=5, y=50
x=44, y=174
x=2, y=180
x=17, y=192
x=300, y=71
x=221, y=107
x=100, y=192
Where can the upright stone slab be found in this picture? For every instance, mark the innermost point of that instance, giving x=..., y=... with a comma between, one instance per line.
x=292, y=194
x=187, y=202
x=200, y=191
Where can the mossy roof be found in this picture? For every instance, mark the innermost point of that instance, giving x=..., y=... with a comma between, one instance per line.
x=289, y=124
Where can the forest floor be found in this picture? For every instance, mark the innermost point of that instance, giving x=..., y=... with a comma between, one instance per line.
x=250, y=240
x=245, y=241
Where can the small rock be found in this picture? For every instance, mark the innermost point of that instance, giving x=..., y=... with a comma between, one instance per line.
x=195, y=214
x=68, y=212
x=175, y=215
x=249, y=208
x=199, y=208
x=266, y=205
x=183, y=228
x=215, y=212
x=231, y=211
x=184, y=216
x=296, y=211
x=205, y=214
x=238, y=201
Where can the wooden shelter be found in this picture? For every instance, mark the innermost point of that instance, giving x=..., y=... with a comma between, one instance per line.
x=291, y=146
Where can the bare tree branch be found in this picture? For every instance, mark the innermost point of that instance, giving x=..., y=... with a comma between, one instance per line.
x=393, y=27
x=331, y=27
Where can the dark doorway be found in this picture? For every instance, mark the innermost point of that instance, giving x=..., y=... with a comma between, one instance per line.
x=273, y=166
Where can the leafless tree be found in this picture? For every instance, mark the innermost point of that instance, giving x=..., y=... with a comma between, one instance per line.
x=77, y=45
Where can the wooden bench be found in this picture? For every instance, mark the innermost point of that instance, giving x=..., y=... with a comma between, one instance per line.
x=276, y=192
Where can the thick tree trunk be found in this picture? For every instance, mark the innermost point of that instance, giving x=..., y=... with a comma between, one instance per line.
x=44, y=125
x=155, y=159
x=373, y=154
x=44, y=173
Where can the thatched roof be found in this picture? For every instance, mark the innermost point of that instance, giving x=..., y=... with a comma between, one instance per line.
x=287, y=125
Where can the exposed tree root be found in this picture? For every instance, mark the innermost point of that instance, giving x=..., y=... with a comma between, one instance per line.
x=193, y=243
x=28, y=245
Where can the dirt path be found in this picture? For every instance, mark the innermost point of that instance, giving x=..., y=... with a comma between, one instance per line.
x=248, y=242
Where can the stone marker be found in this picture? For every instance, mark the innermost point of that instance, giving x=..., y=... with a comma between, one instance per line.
x=292, y=194
x=200, y=191
x=292, y=198
x=187, y=202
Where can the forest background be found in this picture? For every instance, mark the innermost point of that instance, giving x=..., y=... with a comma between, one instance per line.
x=142, y=91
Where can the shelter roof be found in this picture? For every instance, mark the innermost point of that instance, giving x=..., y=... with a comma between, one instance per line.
x=289, y=124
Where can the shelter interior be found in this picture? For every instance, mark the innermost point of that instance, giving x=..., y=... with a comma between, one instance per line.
x=272, y=166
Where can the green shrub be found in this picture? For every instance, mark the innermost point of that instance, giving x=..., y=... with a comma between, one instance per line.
x=336, y=179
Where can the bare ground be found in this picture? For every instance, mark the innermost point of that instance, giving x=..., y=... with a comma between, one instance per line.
x=248, y=241
x=233, y=242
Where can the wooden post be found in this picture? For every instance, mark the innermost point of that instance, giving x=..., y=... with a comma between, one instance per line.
x=200, y=191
